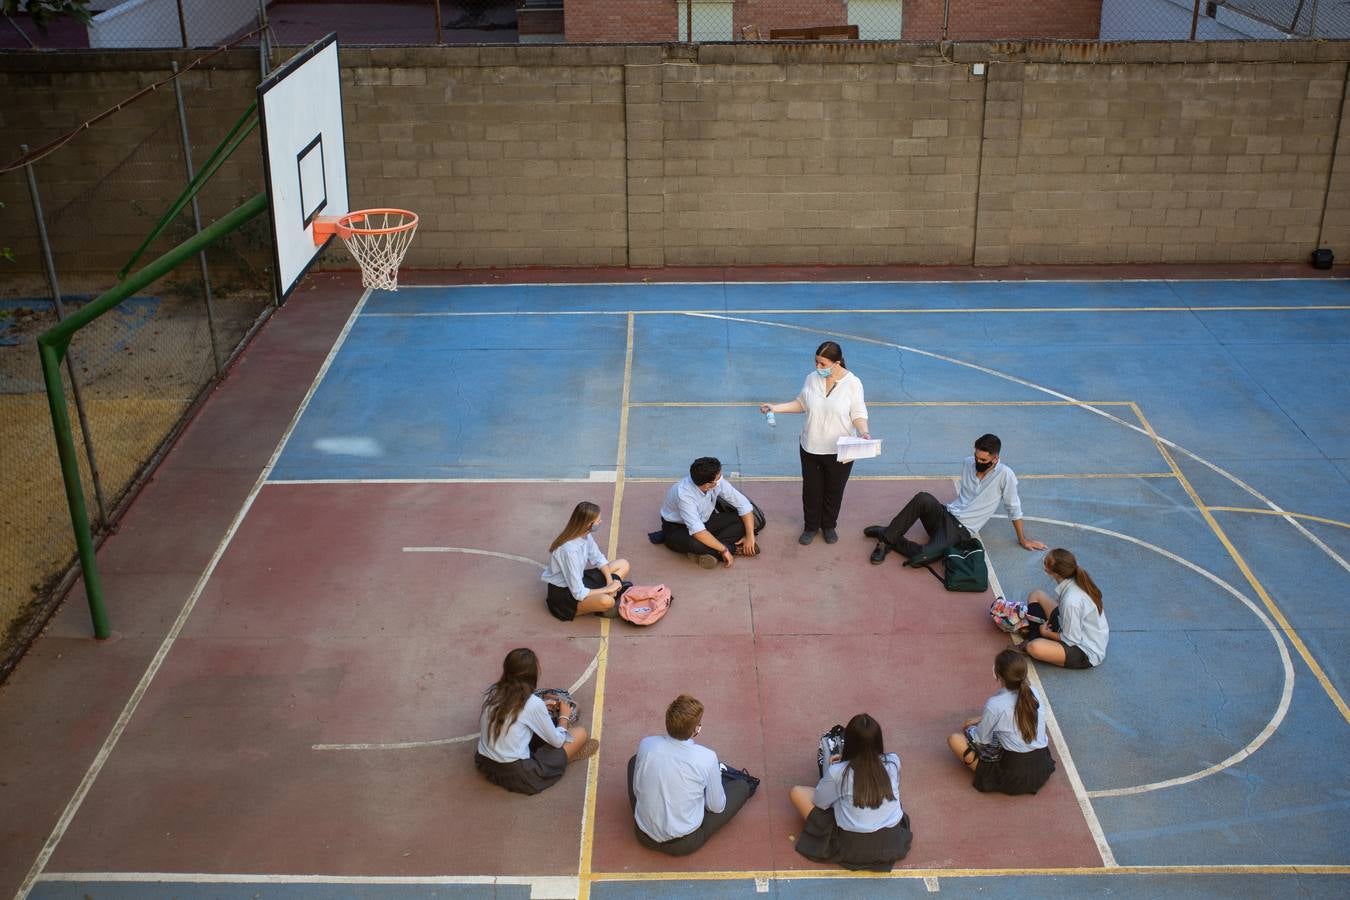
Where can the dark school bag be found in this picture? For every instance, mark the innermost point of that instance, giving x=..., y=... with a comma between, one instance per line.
x=964, y=567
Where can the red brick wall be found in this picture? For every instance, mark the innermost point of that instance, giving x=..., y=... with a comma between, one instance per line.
x=998, y=20
x=655, y=20
x=620, y=20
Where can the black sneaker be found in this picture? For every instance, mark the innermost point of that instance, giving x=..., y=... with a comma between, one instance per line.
x=831, y=536
x=879, y=553
x=876, y=532
x=807, y=537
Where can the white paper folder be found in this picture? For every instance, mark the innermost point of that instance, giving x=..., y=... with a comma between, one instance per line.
x=851, y=448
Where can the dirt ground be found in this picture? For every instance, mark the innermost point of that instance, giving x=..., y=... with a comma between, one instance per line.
x=140, y=366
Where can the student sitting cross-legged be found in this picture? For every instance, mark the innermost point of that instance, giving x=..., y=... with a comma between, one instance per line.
x=853, y=815
x=1007, y=746
x=1075, y=631
x=580, y=579
x=706, y=518
x=519, y=746
x=679, y=793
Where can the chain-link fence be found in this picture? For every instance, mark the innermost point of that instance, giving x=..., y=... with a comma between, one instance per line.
x=202, y=23
x=133, y=374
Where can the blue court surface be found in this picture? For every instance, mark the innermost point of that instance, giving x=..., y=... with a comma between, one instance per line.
x=1188, y=440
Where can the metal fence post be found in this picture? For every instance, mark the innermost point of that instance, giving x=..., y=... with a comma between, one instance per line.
x=182, y=23
x=438, y=23
x=196, y=218
x=1312, y=21
x=264, y=41
x=55, y=285
x=1195, y=17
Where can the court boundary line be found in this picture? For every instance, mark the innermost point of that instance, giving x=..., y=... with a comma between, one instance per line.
x=1199, y=870
x=1080, y=792
x=735, y=404
x=724, y=282
x=1285, y=625
x=138, y=693
x=587, y=847
x=862, y=311
x=663, y=479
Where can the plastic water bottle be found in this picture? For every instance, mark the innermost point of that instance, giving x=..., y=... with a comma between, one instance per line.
x=768, y=417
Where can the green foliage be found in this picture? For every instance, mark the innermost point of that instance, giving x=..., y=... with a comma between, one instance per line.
x=42, y=11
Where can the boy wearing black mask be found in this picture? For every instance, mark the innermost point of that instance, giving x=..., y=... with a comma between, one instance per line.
x=984, y=484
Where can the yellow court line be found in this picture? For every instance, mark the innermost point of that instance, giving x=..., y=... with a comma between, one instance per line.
x=602, y=656
x=1247, y=573
x=915, y=874
x=742, y=404
x=1278, y=512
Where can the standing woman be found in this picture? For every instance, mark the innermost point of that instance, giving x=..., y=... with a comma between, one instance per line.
x=832, y=399
x=1075, y=632
x=853, y=816
x=1007, y=747
x=519, y=746
x=580, y=579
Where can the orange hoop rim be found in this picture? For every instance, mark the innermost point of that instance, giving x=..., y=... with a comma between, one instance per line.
x=348, y=222
x=344, y=226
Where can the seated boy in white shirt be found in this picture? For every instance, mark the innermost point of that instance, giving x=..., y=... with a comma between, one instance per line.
x=707, y=519
x=679, y=792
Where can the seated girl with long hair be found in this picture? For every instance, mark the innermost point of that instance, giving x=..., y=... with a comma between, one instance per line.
x=519, y=746
x=580, y=579
x=1011, y=732
x=853, y=815
x=1075, y=632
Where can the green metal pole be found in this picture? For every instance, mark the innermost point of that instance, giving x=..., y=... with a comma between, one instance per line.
x=52, y=345
x=70, y=473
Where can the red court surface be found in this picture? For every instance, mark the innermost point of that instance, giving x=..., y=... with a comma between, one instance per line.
x=318, y=627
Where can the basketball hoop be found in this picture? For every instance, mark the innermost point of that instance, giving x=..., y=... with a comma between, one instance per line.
x=377, y=238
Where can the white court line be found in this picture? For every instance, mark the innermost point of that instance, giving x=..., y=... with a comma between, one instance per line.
x=591, y=480
x=1080, y=792
x=1286, y=694
x=464, y=738
x=854, y=282
x=857, y=311
x=542, y=887
x=101, y=758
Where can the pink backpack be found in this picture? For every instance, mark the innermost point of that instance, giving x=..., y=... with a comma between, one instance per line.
x=644, y=604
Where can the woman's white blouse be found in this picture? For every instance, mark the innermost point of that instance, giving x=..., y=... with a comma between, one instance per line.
x=828, y=418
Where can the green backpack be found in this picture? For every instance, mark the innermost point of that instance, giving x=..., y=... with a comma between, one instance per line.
x=963, y=563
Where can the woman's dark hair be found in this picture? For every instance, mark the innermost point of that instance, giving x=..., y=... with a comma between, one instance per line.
x=1011, y=669
x=505, y=699
x=579, y=525
x=704, y=469
x=833, y=352
x=863, y=749
x=1064, y=565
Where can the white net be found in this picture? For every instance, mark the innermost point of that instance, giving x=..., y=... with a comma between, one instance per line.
x=378, y=239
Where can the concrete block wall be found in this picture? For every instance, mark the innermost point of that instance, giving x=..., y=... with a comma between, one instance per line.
x=744, y=154
x=512, y=156
x=784, y=157
x=1169, y=163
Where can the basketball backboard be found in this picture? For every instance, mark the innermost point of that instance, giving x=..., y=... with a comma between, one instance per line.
x=304, y=155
